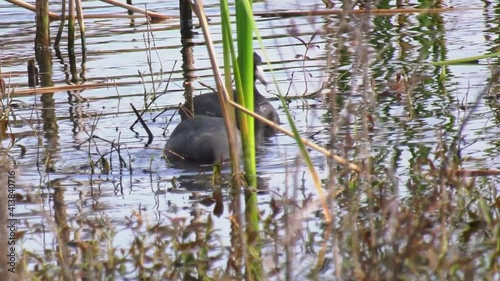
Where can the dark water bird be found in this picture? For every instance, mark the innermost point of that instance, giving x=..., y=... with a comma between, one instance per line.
x=203, y=138
x=200, y=139
x=208, y=104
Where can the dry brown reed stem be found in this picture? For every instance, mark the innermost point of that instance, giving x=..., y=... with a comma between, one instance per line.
x=358, y=11
x=137, y=10
x=32, y=8
x=54, y=16
x=105, y=16
x=477, y=173
x=46, y=90
x=12, y=74
x=312, y=145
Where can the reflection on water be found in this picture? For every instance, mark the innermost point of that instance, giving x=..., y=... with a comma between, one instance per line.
x=407, y=123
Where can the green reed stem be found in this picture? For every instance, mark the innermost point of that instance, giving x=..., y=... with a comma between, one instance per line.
x=244, y=30
x=244, y=77
x=228, y=50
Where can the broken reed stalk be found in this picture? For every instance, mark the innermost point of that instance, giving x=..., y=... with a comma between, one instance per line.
x=32, y=74
x=130, y=12
x=144, y=125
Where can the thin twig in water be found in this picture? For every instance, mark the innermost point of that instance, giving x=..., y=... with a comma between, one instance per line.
x=150, y=135
x=155, y=98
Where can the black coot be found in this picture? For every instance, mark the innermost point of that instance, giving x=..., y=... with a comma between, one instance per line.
x=208, y=104
x=200, y=139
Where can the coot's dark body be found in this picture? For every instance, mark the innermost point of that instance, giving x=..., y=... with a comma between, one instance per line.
x=200, y=139
x=203, y=138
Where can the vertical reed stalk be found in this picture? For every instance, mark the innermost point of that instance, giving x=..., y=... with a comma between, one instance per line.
x=71, y=26
x=42, y=38
x=245, y=83
x=61, y=24
x=228, y=49
x=81, y=24
x=245, y=89
x=130, y=12
x=186, y=20
x=237, y=230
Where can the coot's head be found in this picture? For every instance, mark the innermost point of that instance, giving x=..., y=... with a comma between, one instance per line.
x=261, y=105
x=257, y=68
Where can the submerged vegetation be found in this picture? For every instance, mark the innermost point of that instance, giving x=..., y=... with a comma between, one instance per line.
x=389, y=204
